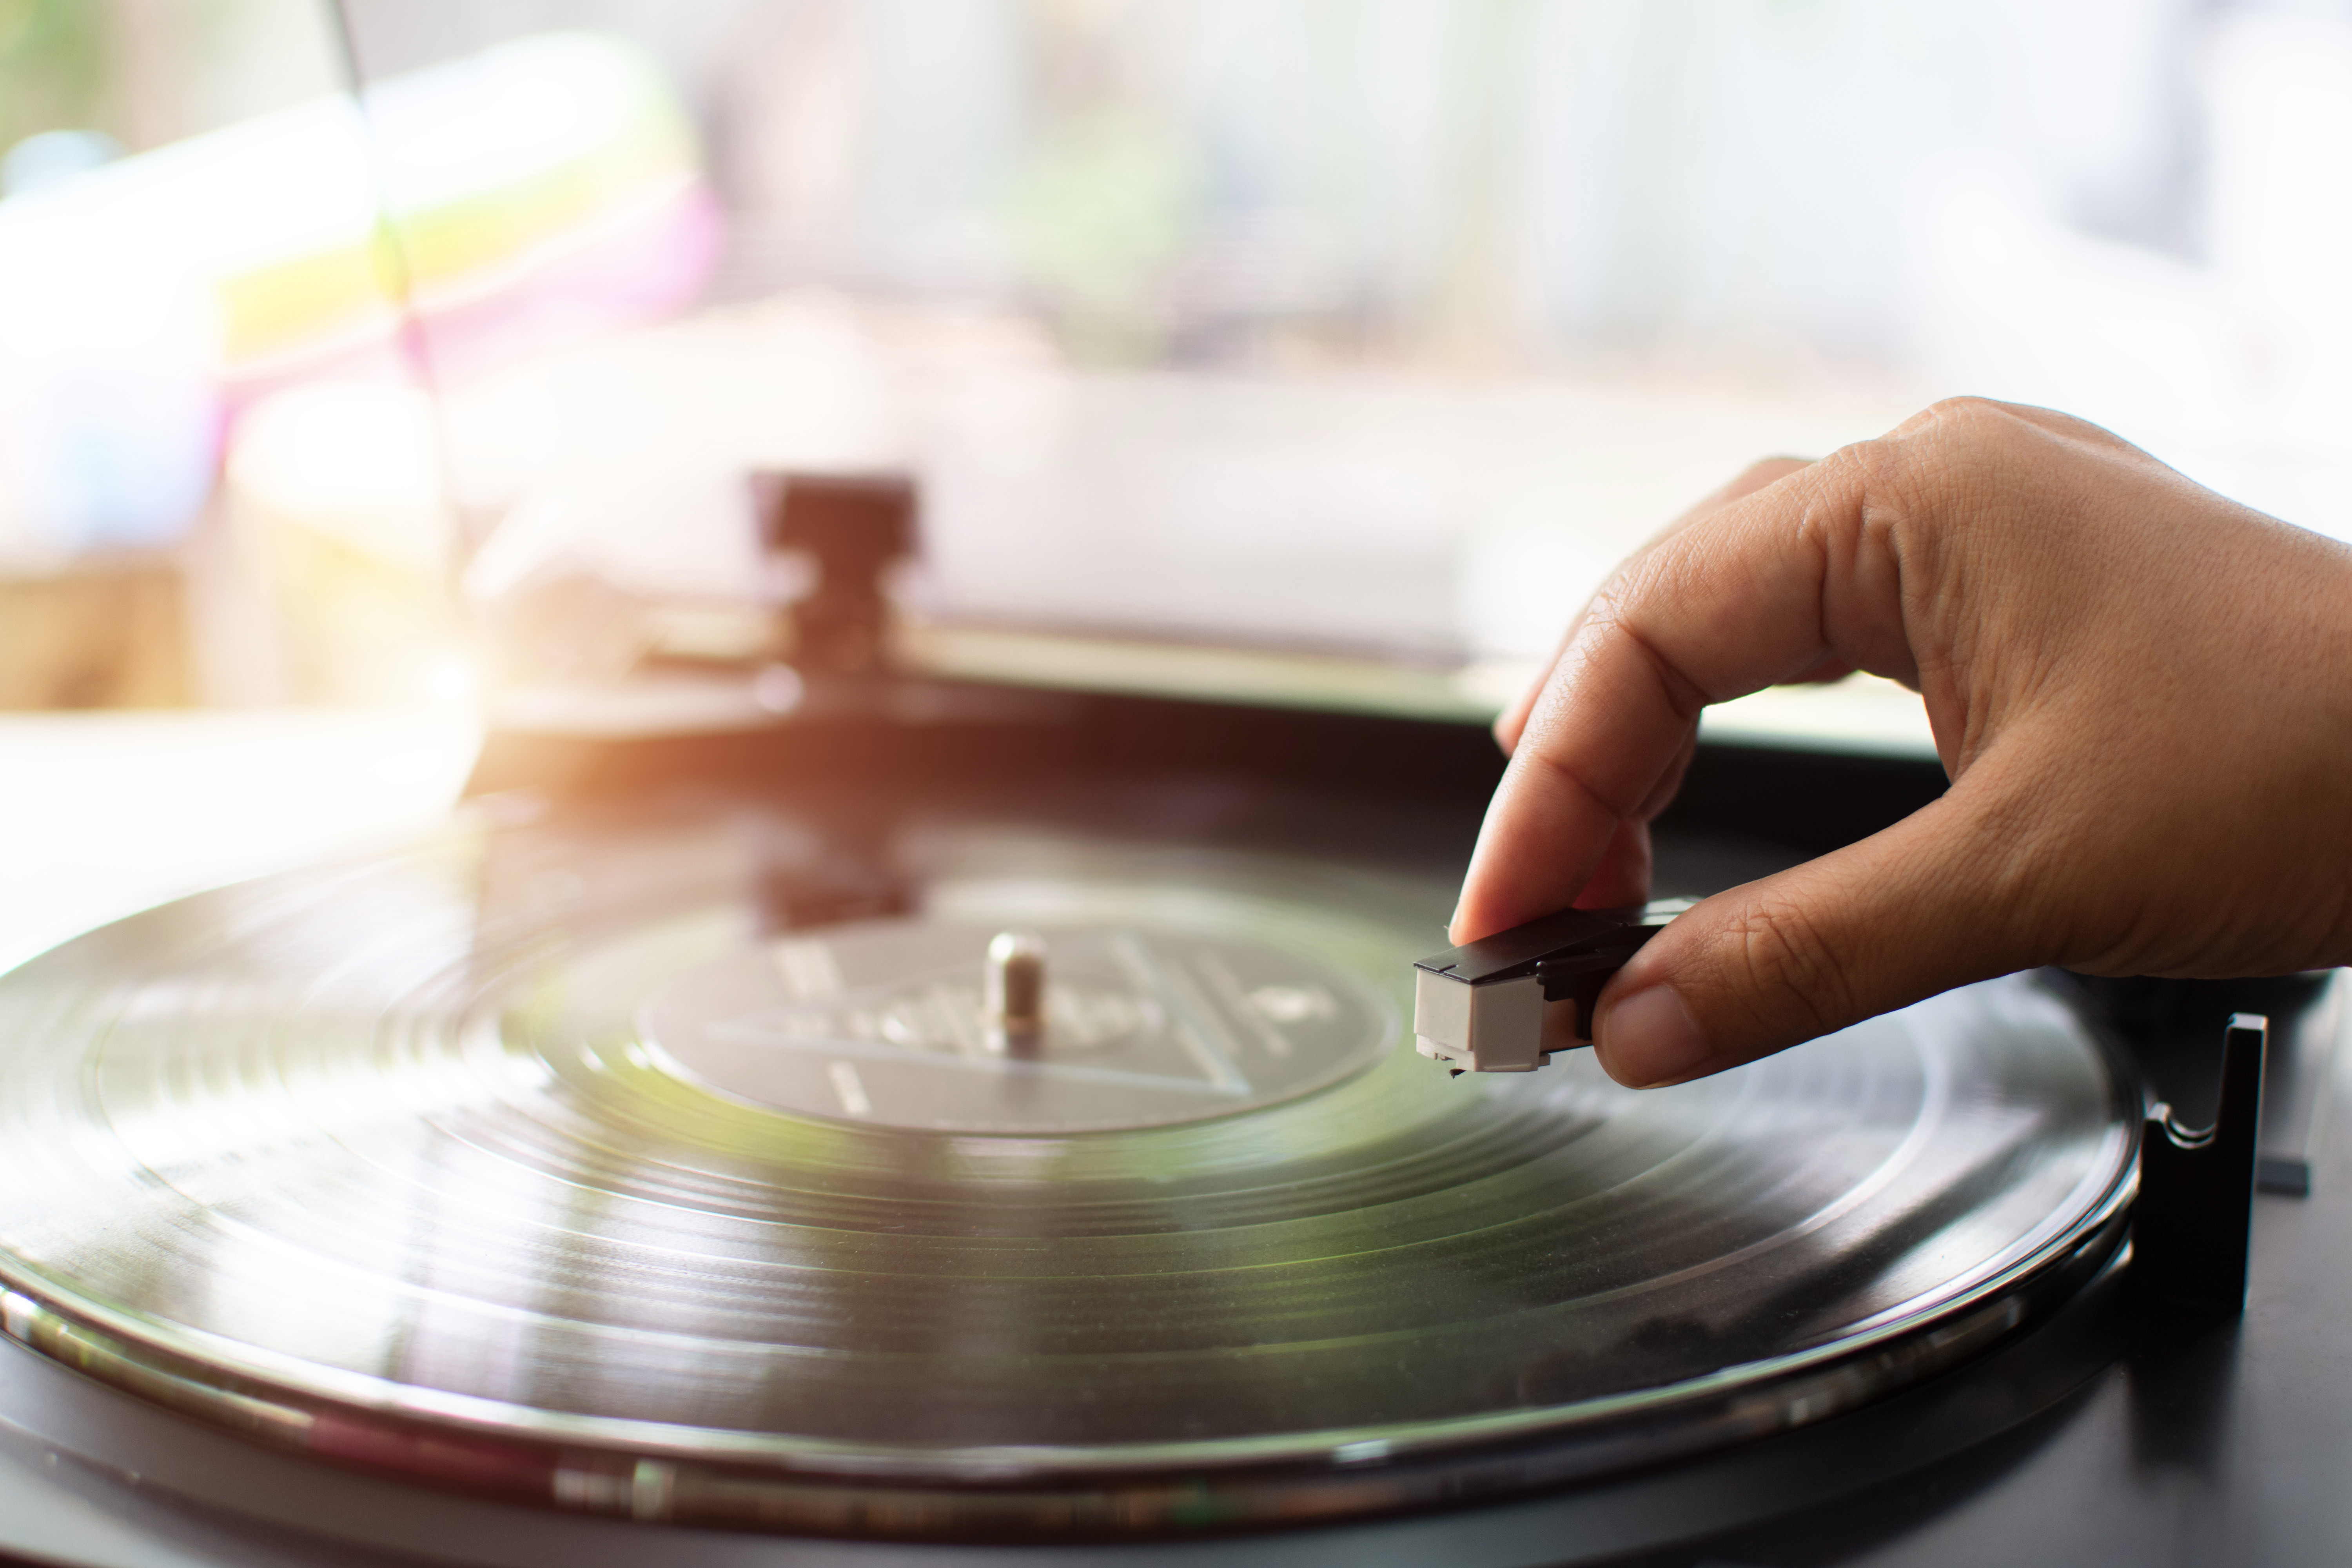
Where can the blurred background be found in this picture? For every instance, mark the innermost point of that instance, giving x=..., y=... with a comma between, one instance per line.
x=391, y=353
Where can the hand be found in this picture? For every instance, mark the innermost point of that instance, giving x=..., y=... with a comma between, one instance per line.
x=2142, y=693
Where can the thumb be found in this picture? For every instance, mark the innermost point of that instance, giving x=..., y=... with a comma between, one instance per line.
x=1926, y=905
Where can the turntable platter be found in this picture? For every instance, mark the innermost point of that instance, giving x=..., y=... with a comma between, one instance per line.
x=541, y=1163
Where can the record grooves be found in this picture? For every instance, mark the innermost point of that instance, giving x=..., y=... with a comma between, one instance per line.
x=547, y=1165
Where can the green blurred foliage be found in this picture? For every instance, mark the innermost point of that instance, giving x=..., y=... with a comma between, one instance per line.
x=1103, y=210
x=53, y=67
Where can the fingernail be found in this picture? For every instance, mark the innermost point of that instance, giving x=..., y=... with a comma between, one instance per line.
x=1650, y=1038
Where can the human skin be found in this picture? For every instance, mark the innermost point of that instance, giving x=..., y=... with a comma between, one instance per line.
x=2141, y=692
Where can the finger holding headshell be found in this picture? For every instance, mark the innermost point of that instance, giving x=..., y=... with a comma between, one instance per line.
x=2141, y=692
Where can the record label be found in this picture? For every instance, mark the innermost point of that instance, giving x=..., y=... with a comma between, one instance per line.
x=884, y=1022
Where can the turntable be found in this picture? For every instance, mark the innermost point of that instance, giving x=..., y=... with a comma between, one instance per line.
x=955, y=1120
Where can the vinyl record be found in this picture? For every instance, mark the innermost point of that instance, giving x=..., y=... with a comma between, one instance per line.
x=569, y=1165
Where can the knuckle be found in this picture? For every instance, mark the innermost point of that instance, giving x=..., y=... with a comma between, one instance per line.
x=1932, y=472
x=1967, y=422
x=1885, y=479
x=1876, y=466
x=1969, y=411
x=1956, y=429
x=1966, y=439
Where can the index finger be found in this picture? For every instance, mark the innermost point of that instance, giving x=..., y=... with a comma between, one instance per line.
x=1754, y=477
x=1757, y=594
